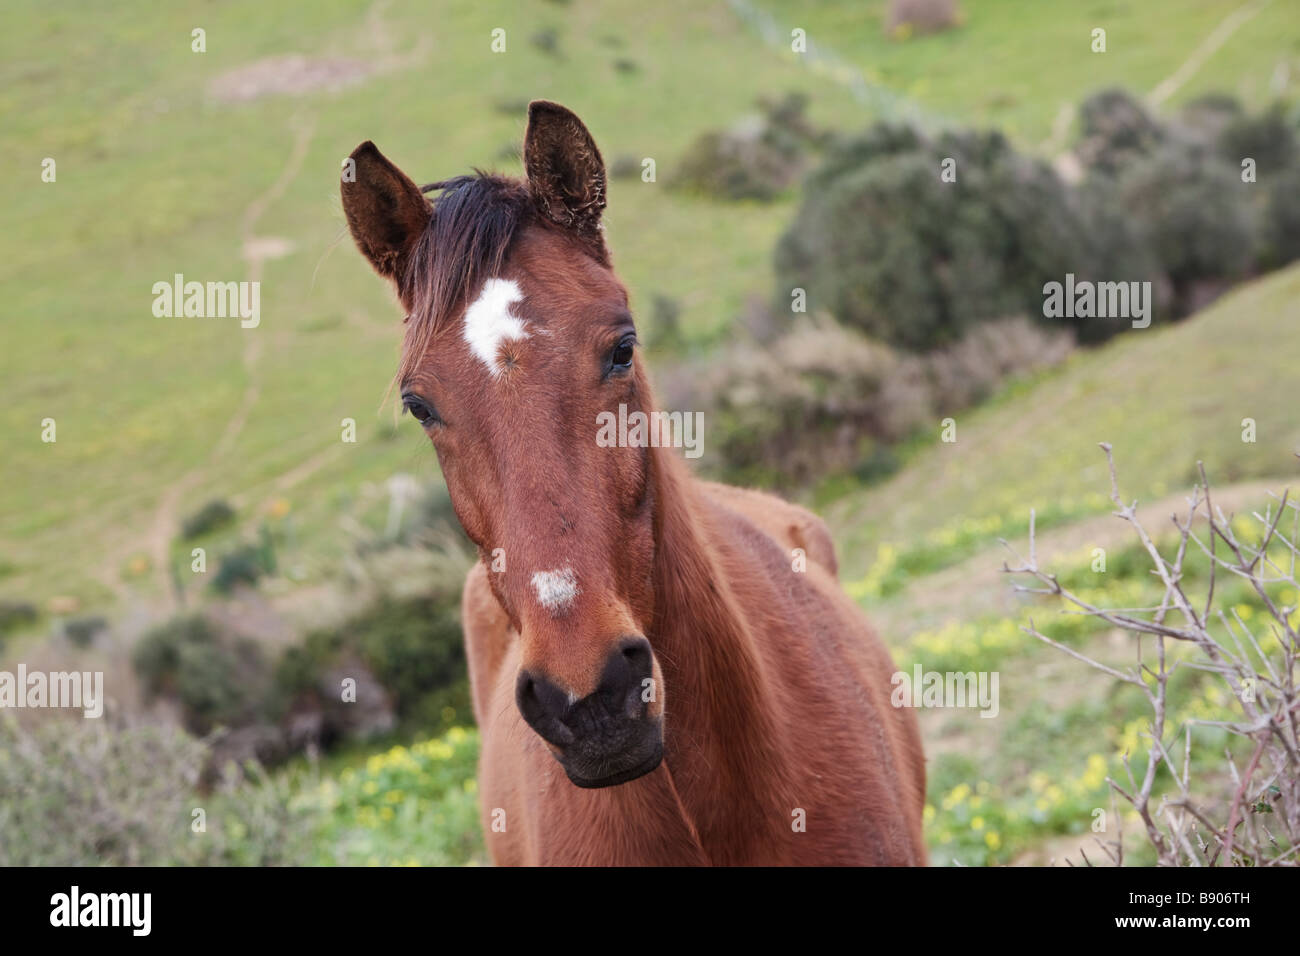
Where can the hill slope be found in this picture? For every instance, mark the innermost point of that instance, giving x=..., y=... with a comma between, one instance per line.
x=1164, y=397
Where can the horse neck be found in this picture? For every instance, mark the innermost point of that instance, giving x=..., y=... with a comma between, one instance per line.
x=721, y=738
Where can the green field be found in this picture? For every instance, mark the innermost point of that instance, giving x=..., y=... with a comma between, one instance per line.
x=157, y=175
x=160, y=172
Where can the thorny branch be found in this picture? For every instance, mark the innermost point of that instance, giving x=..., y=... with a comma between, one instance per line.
x=1229, y=826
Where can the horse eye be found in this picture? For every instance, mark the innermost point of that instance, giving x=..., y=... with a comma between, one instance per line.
x=622, y=354
x=420, y=410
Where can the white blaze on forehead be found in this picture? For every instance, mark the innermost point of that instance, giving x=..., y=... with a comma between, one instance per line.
x=556, y=589
x=488, y=321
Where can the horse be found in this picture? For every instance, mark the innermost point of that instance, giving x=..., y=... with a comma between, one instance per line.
x=664, y=670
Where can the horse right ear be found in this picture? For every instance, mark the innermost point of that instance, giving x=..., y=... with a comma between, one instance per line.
x=386, y=212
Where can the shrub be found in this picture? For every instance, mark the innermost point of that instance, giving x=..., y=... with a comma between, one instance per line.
x=967, y=372
x=823, y=397
x=1119, y=250
x=89, y=793
x=885, y=246
x=1280, y=242
x=756, y=159
x=16, y=614
x=216, y=681
x=213, y=515
x=1267, y=138
x=1115, y=130
x=79, y=794
x=412, y=646
x=1193, y=215
x=797, y=408
x=1205, y=118
x=1247, y=814
x=891, y=248
x=246, y=564
x=82, y=630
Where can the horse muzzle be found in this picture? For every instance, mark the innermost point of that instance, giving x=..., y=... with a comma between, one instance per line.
x=608, y=737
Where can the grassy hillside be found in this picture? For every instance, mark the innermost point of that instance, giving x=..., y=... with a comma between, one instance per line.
x=156, y=176
x=159, y=173
x=922, y=555
x=1017, y=63
x=162, y=170
x=1164, y=397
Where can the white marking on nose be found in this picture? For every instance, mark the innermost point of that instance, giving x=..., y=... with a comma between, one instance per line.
x=488, y=322
x=556, y=589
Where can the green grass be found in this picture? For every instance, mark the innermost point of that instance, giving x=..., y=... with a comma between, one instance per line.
x=1015, y=63
x=1164, y=397
x=155, y=177
x=1035, y=772
x=406, y=806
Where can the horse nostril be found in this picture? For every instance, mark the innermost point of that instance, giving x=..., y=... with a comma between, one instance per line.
x=626, y=671
x=526, y=697
x=639, y=657
x=543, y=705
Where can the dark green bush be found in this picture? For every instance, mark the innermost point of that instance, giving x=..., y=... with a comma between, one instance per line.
x=246, y=564
x=213, y=515
x=15, y=614
x=1115, y=130
x=1268, y=138
x=1281, y=237
x=1194, y=216
x=888, y=248
x=82, y=630
x=757, y=159
x=216, y=680
x=1118, y=251
x=413, y=647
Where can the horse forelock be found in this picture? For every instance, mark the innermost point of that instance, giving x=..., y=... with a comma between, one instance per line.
x=466, y=242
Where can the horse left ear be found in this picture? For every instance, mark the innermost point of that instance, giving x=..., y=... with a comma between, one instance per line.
x=565, y=172
x=386, y=212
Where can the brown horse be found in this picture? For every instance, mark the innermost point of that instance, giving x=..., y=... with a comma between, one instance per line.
x=664, y=670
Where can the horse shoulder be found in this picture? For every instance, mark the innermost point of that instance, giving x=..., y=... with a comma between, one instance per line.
x=889, y=742
x=789, y=524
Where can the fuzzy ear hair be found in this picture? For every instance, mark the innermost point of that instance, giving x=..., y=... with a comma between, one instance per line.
x=386, y=212
x=566, y=174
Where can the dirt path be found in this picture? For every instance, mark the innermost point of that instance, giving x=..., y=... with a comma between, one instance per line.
x=1207, y=48
x=977, y=586
x=384, y=56
x=255, y=250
